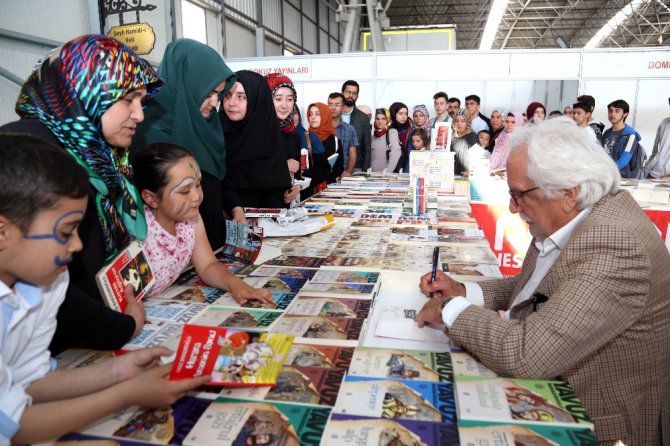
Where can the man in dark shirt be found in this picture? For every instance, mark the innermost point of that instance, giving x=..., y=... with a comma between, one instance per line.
x=360, y=122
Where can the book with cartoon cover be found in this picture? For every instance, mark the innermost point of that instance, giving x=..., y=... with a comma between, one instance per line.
x=303, y=385
x=190, y=293
x=190, y=276
x=353, y=261
x=350, y=276
x=465, y=364
x=323, y=356
x=154, y=333
x=307, y=262
x=401, y=364
x=137, y=425
x=511, y=400
x=229, y=421
x=129, y=267
x=243, y=242
x=239, y=318
x=230, y=357
x=520, y=434
x=386, y=398
x=343, y=430
x=322, y=330
x=306, y=305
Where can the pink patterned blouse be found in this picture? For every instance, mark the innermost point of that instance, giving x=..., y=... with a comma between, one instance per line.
x=167, y=254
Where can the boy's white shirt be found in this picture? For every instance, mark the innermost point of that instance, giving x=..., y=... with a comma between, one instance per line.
x=27, y=326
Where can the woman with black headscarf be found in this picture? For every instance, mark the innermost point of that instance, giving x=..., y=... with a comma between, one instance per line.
x=401, y=121
x=256, y=159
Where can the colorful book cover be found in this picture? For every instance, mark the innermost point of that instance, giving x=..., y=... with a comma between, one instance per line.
x=243, y=242
x=339, y=276
x=130, y=267
x=239, y=318
x=190, y=294
x=355, y=290
x=321, y=330
x=355, y=261
x=306, y=305
x=237, y=422
x=519, y=434
x=323, y=356
x=465, y=364
x=172, y=310
x=519, y=401
x=343, y=430
x=136, y=426
x=154, y=333
x=303, y=385
x=281, y=300
x=307, y=262
x=265, y=212
x=283, y=272
x=409, y=400
x=231, y=357
x=401, y=364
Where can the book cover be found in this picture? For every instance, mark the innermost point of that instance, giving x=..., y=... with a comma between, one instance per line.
x=303, y=385
x=137, y=425
x=231, y=357
x=516, y=434
x=512, y=400
x=154, y=333
x=354, y=290
x=409, y=400
x=401, y=364
x=323, y=356
x=339, y=276
x=283, y=272
x=243, y=242
x=281, y=300
x=129, y=267
x=239, y=318
x=321, y=330
x=465, y=364
x=354, y=261
x=231, y=421
x=79, y=357
x=306, y=305
x=308, y=262
x=366, y=431
x=172, y=310
x=265, y=212
x=183, y=293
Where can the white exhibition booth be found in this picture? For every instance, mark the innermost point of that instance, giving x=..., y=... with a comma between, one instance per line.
x=501, y=78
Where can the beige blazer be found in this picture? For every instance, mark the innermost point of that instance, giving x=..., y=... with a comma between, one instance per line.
x=605, y=327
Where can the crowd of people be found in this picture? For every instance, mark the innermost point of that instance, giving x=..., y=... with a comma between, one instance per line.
x=107, y=149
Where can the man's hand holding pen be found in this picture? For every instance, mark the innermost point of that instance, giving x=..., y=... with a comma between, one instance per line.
x=442, y=286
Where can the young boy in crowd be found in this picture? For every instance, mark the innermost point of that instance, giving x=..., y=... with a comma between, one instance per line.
x=478, y=155
x=43, y=196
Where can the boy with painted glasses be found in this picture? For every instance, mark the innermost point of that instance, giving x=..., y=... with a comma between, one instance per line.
x=43, y=197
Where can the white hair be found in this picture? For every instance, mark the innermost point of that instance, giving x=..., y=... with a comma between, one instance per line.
x=561, y=155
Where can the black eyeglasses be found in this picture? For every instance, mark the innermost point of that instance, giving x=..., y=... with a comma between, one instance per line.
x=517, y=195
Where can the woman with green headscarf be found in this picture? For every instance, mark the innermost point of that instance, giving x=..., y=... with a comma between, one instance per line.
x=184, y=113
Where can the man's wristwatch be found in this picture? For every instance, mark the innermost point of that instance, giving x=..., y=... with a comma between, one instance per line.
x=440, y=307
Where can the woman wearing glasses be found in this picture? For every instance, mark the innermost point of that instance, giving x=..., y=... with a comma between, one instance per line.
x=184, y=113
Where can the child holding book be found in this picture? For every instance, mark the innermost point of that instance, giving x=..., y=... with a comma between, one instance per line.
x=43, y=197
x=168, y=178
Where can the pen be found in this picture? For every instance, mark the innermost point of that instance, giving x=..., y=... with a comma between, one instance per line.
x=436, y=259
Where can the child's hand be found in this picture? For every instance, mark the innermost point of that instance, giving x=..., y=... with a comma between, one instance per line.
x=134, y=309
x=243, y=292
x=131, y=364
x=153, y=388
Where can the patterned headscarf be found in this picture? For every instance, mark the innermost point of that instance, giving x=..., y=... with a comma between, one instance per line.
x=383, y=111
x=275, y=82
x=468, y=129
x=427, y=126
x=68, y=93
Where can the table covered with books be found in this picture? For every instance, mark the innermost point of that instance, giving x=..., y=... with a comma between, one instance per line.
x=338, y=358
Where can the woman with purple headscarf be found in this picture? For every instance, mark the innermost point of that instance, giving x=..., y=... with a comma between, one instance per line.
x=513, y=121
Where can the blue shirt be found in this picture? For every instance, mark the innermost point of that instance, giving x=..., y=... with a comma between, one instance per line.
x=346, y=133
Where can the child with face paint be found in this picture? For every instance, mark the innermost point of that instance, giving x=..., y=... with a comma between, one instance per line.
x=169, y=180
x=43, y=198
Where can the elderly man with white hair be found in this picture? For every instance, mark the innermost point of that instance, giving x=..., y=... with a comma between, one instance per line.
x=591, y=305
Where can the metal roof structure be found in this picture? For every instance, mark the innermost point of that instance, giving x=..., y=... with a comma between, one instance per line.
x=531, y=24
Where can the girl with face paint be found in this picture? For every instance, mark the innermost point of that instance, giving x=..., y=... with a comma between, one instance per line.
x=169, y=180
